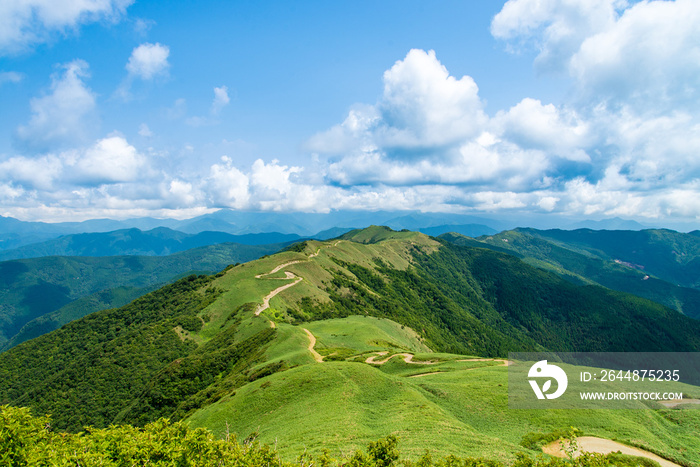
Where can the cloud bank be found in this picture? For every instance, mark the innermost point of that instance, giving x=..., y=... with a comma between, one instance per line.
x=627, y=142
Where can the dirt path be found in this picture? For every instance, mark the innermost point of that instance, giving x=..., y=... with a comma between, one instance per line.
x=503, y=362
x=407, y=357
x=312, y=344
x=266, y=301
x=604, y=446
x=281, y=266
x=426, y=374
x=675, y=402
x=288, y=275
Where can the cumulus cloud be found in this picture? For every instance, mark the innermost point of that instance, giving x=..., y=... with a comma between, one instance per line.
x=265, y=186
x=555, y=28
x=29, y=22
x=430, y=128
x=645, y=55
x=422, y=107
x=624, y=143
x=228, y=185
x=63, y=116
x=648, y=59
x=109, y=160
x=530, y=124
x=32, y=173
x=148, y=61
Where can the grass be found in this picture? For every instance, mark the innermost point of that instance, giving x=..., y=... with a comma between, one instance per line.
x=462, y=410
x=342, y=405
x=365, y=334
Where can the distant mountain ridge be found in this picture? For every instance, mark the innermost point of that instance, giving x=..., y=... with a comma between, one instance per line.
x=160, y=241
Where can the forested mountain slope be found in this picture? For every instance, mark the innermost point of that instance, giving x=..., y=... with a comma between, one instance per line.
x=660, y=265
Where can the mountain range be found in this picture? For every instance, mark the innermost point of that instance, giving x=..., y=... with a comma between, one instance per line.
x=39, y=295
x=15, y=233
x=331, y=344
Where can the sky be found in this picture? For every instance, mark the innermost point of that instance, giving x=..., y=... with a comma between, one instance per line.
x=570, y=108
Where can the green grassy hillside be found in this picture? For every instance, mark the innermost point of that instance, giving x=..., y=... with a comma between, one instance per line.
x=335, y=344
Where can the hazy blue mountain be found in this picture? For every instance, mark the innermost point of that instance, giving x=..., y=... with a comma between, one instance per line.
x=470, y=230
x=332, y=233
x=608, y=224
x=156, y=242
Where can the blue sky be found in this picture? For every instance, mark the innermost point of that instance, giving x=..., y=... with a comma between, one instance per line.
x=127, y=108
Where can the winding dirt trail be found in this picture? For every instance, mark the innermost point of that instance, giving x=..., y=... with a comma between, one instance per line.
x=407, y=357
x=266, y=301
x=288, y=275
x=604, y=446
x=312, y=344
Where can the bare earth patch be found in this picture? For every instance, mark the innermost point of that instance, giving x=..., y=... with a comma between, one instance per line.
x=603, y=446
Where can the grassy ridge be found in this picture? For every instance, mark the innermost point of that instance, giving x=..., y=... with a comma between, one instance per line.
x=462, y=410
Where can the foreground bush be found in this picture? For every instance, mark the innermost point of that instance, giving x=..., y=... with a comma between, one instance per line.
x=26, y=440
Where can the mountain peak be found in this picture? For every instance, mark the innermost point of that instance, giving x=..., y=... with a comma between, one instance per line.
x=378, y=233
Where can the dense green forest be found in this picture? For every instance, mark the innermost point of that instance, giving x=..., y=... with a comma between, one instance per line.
x=660, y=265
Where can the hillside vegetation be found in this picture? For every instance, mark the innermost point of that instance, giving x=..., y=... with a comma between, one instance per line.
x=41, y=294
x=337, y=344
x=661, y=265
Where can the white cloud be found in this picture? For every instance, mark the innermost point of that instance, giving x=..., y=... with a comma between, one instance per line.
x=221, y=100
x=556, y=28
x=430, y=128
x=109, y=160
x=181, y=194
x=649, y=59
x=148, y=61
x=65, y=115
x=228, y=186
x=422, y=105
x=422, y=108
x=533, y=125
x=33, y=173
x=10, y=77
x=28, y=22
